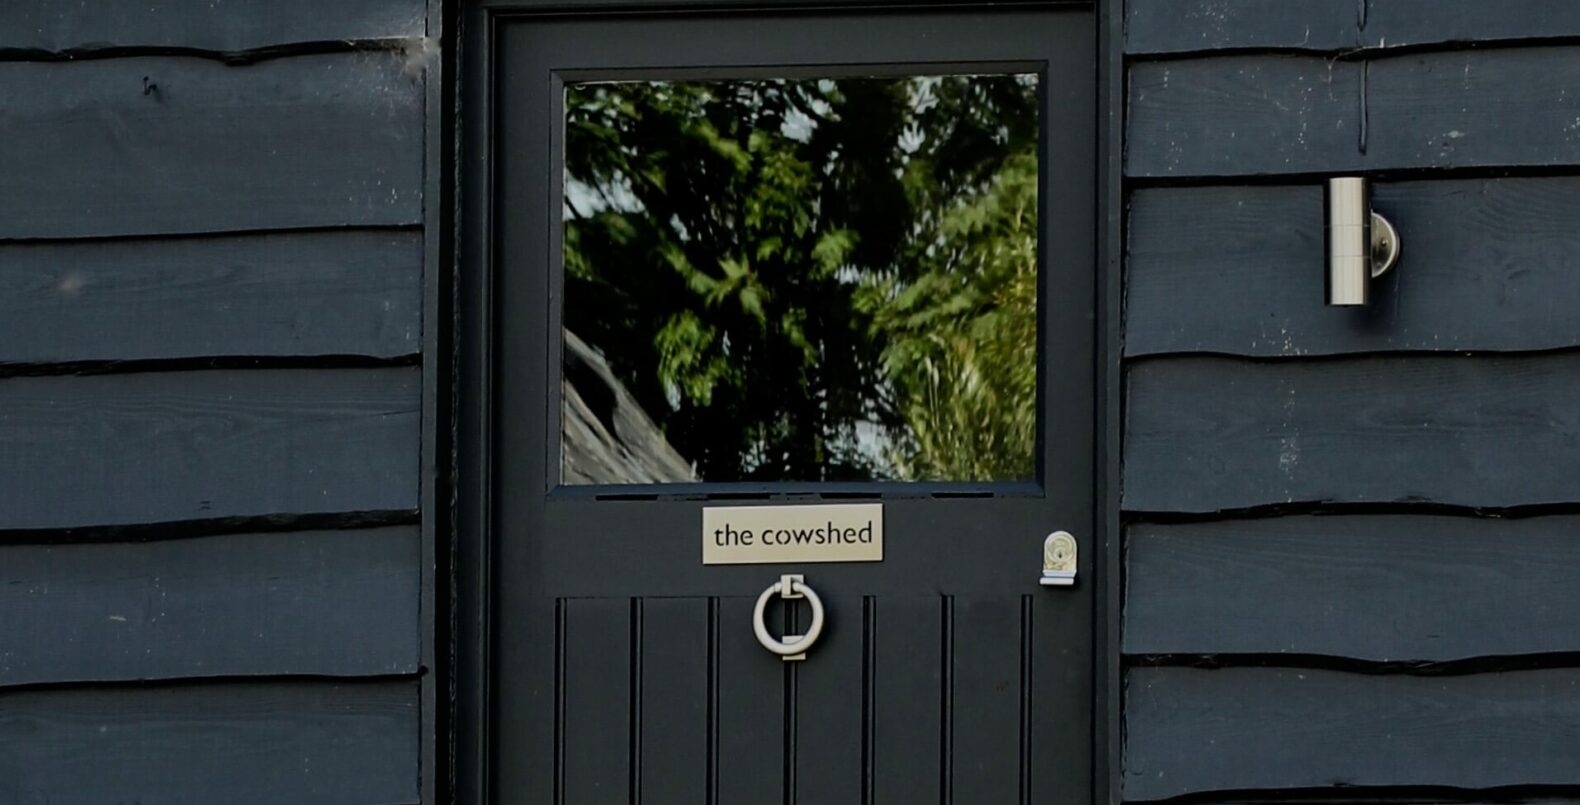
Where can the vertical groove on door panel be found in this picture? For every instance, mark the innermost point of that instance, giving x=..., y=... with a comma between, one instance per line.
x=987, y=697
x=946, y=754
x=634, y=776
x=869, y=665
x=750, y=712
x=598, y=706
x=1025, y=699
x=828, y=718
x=676, y=677
x=713, y=702
x=559, y=701
x=908, y=699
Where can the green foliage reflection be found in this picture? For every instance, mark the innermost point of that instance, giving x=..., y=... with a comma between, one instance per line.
x=813, y=279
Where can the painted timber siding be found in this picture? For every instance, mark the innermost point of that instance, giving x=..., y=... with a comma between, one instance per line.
x=1350, y=533
x=216, y=562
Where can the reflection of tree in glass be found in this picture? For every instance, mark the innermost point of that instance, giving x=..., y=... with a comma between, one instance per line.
x=815, y=279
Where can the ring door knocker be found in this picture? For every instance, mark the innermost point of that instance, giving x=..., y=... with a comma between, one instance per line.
x=793, y=646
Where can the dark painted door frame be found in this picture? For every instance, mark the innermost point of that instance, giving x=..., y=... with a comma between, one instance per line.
x=463, y=727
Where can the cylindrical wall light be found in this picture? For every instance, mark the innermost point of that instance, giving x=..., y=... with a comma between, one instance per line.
x=1361, y=244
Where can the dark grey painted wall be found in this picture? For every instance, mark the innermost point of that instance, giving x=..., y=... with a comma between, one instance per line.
x=1351, y=534
x=214, y=565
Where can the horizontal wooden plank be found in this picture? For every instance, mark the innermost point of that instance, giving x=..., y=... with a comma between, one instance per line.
x=1207, y=433
x=156, y=145
x=223, y=25
x=1418, y=22
x=1192, y=731
x=265, y=743
x=323, y=603
x=1489, y=265
x=294, y=293
x=1239, y=115
x=1175, y=26
x=1391, y=795
x=1182, y=26
x=1383, y=588
x=166, y=446
x=1270, y=114
x=1513, y=106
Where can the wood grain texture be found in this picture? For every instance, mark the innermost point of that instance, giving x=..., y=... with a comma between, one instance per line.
x=1272, y=114
x=241, y=743
x=93, y=149
x=1175, y=26
x=1205, y=434
x=1239, y=115
x=1382, y=588
x=285, y=294
x=322, y=603
x=1183, y=26
x=1411, y=796
x=1417, y=22
x=216, y=25
x=1489, y=265
x=1191, y=731
x=1515, y=107
x=166, y=446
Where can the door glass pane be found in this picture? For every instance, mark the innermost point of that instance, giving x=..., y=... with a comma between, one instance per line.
x=822, y=279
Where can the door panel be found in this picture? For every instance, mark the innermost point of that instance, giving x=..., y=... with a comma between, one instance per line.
x=908, y=707
x=829, y=702
x=675, y=706
x=596, y=702
x=625, y=670
x=909, y=696
x=750, y=741
x=986, y=690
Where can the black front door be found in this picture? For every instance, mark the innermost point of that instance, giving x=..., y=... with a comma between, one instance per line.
x=787, y=259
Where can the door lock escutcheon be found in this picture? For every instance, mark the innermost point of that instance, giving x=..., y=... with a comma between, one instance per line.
x=1059, y=553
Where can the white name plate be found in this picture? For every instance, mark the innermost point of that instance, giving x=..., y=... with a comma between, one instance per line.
x=745, y=535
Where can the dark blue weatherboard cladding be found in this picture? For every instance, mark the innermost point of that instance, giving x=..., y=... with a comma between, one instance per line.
x=331, y=292
x=1155, y=27
x=1265, y=729
x=212, y=262
x=1349, y=532
x=314, y=742
x=309, y=141
x=1235, y=269
x=1209, y=433
x=233, y=28
x=1248, y=115
x=1435, y=592
x=331, y=602
x=206, y=444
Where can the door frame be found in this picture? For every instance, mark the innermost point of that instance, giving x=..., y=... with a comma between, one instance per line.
x=463, y=339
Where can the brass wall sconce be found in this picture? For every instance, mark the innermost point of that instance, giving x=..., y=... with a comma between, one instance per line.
x=1361, y=245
